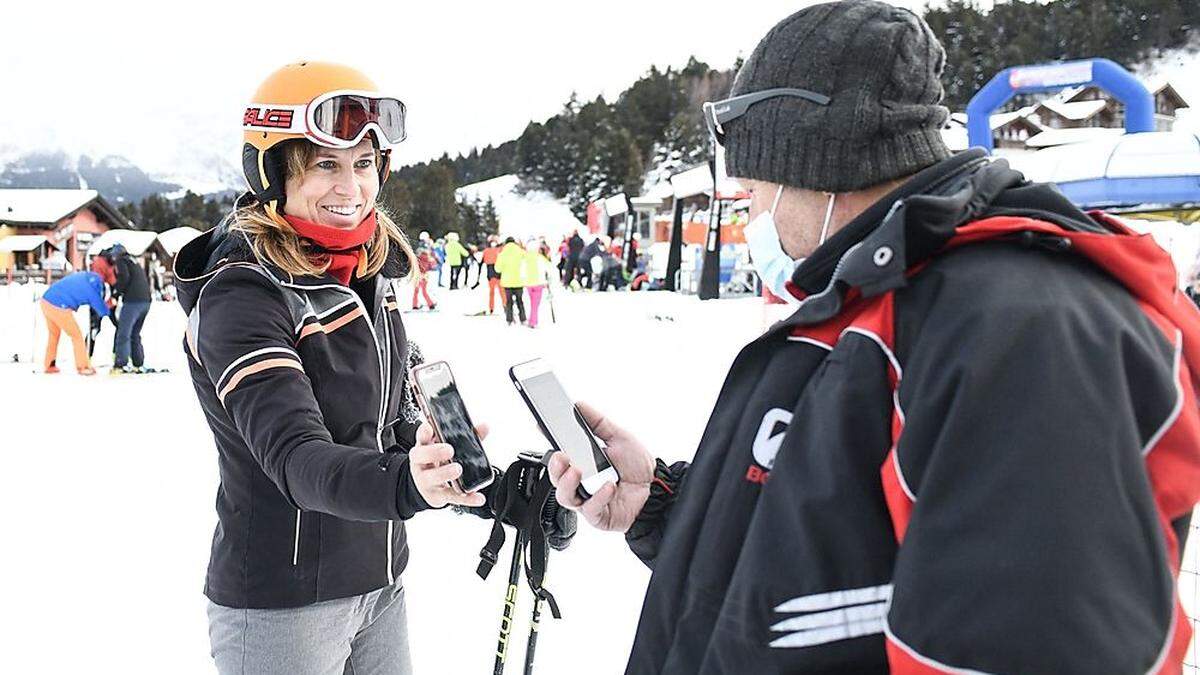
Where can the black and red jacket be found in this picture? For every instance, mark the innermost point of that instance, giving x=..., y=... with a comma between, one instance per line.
x=302, y=381
x=974, y=447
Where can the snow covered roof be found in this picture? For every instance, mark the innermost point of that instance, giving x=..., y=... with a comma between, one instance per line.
x=175, y=239
x=698, y=180
x=1052, y=137
x=646, y=201
x=523, y=215
x=1074, y=110
x=1000, y=119
x=135, y=241
x=1070, y=92
x=36, y=206
x=42, y=205
x=615, y=205
x=21, y=242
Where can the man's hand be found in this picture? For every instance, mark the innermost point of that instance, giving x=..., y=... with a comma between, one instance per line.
x=613, y=507
x=433, y=469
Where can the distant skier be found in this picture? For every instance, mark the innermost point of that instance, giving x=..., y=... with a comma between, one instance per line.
x=510, y=265
x=59, y=303
x=574, y=249
x=456, y=258
x=536, y=273
x=490, y=255
x=425, y=264
x=132, y=288
x=586, y=269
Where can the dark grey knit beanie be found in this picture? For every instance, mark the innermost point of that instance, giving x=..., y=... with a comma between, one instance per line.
x=881, y=66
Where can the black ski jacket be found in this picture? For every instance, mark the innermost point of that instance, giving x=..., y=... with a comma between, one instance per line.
x=302, y=381
x=974, y=447
x=132, y=283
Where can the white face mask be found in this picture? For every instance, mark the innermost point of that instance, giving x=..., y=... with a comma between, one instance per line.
x=775, y=266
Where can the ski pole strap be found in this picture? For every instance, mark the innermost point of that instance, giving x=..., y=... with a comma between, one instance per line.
x=491, y=550
x=535, y=569
x=545, y=595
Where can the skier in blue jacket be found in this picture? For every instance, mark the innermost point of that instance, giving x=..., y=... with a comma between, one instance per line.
x=59, y=304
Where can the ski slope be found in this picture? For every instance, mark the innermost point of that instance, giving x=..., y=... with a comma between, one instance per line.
x=109, y=482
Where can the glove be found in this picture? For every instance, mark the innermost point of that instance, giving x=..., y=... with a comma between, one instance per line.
x=491, y=493
x=560, y=524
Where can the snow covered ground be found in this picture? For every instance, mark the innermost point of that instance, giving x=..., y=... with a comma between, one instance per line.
x=108, y=485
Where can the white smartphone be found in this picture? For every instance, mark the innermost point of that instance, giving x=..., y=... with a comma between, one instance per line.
x=562, y=424
x=445, y=410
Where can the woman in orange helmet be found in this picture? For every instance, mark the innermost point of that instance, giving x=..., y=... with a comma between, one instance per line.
x=299, y=358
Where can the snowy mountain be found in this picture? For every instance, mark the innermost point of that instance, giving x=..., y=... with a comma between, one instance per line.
x=118, y=179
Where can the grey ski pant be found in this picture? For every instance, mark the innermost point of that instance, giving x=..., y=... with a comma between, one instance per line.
x=360, y=635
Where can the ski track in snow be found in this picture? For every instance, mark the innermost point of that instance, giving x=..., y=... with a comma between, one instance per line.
x=109, y=485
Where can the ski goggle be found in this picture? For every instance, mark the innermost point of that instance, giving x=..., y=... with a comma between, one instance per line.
x=718, y=113
x=338, y=119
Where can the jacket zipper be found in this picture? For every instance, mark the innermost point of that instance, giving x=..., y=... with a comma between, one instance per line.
x=386, y=358
x=296, y=547
x=385, y=385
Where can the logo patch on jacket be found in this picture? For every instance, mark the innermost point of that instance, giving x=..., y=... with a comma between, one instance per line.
x=766, y=444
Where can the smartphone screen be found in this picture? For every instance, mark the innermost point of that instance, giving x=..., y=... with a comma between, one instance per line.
x=453, y=424
x=564, y=423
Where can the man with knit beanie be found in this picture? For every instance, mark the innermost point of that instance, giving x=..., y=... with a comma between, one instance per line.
x=975, y=444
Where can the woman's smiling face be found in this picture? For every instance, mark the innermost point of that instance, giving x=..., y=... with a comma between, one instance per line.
x=337, y=188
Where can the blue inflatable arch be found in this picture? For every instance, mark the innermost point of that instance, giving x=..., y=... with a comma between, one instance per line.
x=1139, y=104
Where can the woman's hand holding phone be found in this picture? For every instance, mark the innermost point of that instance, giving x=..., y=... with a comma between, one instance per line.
x=612, y=507
x=433, y=470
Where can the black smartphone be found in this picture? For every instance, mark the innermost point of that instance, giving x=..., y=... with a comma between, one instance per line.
x=562, y=424
x=445, y=410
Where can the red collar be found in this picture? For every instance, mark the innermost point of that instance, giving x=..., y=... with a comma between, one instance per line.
x=342, y=247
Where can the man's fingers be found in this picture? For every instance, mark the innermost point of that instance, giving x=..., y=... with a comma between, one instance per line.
x=424, y=434
x=565, y=489
x=594, y=507
x=482, y=430
x=600, y=425
x=558, y=466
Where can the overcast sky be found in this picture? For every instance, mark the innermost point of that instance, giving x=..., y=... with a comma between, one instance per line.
x=155, y=80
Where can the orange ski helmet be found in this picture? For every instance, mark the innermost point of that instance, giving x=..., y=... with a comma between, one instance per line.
x=326, y=103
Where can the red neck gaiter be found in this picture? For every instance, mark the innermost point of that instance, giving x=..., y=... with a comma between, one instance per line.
x=342, y=246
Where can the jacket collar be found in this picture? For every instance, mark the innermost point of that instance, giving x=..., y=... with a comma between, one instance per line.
x=876, y=249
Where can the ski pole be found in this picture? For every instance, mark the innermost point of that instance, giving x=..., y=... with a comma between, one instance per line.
x=531, y=645
x=510, y=605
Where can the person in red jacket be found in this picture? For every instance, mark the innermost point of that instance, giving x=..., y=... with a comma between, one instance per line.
x=973, y=447
x=490, y=254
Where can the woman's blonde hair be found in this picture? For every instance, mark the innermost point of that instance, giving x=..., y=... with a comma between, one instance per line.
x=273, y=239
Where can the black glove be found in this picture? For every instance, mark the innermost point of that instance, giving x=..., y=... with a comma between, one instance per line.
x=560, y=524
x=490, y=493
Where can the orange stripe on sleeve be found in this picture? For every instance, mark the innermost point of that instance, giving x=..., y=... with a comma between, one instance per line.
x=256, y=368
